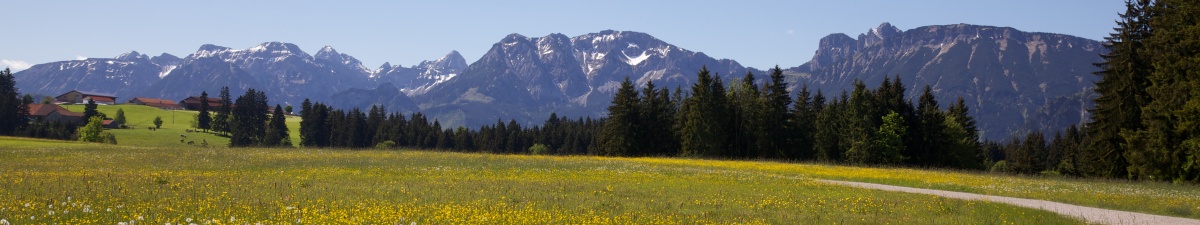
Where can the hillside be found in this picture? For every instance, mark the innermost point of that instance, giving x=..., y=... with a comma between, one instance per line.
x=175, y=124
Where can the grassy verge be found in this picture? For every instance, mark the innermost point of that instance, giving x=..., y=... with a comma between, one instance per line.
x=1180, y=200
x=73, y=183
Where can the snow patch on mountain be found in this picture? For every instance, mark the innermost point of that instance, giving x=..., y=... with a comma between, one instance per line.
x=634, y=61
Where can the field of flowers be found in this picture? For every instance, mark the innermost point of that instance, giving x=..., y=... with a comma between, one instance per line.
x=44, y=182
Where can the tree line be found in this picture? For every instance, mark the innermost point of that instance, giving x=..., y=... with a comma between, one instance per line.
x=867, y=126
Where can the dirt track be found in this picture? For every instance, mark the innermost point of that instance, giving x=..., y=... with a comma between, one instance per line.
x=1088, y=214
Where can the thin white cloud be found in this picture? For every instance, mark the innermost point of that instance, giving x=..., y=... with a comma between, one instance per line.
x=14, y=65
x=791, y=32
x=80, y=57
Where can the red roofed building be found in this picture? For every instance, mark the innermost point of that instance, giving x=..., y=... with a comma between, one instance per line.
x=157, y=103
x=193, y=103
x=79, y=97
x=52, y=112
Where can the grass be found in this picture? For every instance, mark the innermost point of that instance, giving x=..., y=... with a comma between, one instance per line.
x=72, y=183
x=1181, y=200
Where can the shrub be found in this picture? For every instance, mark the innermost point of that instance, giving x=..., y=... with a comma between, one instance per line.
x=109, y=138
x=539, y=149
x=383, y=145
x=1000, y=167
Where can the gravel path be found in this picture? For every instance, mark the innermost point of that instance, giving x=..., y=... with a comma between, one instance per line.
x=1088, y=214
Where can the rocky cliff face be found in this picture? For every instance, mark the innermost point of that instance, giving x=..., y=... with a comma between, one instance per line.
x=1005, y=75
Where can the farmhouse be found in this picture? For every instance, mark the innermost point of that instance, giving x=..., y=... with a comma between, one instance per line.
x=78, y=97
x=193, y=103
x=52, y=112
x=157, y=103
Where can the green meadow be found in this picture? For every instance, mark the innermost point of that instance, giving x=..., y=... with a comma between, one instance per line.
x=150, y=177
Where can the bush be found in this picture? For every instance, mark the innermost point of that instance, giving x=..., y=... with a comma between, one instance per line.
x=381, y=145
x=1000, y=167
x=109, y=138
x=158, y=122
x=539, y=149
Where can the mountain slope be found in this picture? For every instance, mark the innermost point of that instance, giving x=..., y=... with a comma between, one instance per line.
x=528, y=78
x=1006, y=76
x=122, y=76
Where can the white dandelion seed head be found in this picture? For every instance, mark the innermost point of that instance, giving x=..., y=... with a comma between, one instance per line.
x=189, y=220
x=3, y=222
x=122, y=223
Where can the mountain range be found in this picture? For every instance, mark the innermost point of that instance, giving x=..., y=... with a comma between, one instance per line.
x=1013, y=80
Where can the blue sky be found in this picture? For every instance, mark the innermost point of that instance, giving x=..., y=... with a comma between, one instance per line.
x=756, y=33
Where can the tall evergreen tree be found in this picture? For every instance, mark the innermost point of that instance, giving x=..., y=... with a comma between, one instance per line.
x=203, y=120
x=1168, y=147
x=277, y=131
x=832, y=124
x=1122, y=89
x=13, y=112
x=220, y=121
x=962, y=136
x=932, y=147
x=746, y=134
x=89, y=110
x=705, y=118
x=777, y=119
x=804, y=118
x=863, y=122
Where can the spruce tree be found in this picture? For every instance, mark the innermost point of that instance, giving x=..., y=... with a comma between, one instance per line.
x=1122, y=90
x=89, y=110
x=13, y=112
x=962, y=136
x=220, y=122
x=1168, y=146
x=705, y=118
x=804, y=118
x=862, y=125
x=621, y=134
x=931, y=150
x=777, y=118
x=203, y=120
x=277, y=131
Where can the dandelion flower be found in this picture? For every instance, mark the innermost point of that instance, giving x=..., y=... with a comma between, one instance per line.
x=3, y=222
